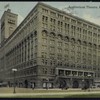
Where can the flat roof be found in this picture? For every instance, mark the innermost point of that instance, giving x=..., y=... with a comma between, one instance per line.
x=63, y=12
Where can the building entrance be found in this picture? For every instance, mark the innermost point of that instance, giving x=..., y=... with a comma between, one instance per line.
x=75, y=84
x=62, y=83
x=87, y=84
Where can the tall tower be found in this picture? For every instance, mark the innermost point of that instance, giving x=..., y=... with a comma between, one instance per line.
x=8, y=24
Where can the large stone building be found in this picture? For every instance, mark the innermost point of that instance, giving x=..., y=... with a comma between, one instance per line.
x=8, y=24
x=51, y=47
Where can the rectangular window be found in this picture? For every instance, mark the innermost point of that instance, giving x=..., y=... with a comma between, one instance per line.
x=67, y=19
x=52, y=55
x=52, y=49
x=59, y=43
x=52, y=42
x=59, y=50
x=44, y=40
x=66, y=51
x=53, y=14
x=44, y=47
x=66, y=45
x=59, y=57
x=43, y=54
x=44, y=70
x=45, y=10
x=10, y=21
x=53, y=21
x=60, y=16
x=44, y=19
x=73, y=21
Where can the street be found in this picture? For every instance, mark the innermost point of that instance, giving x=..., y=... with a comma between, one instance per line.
x=44, y=92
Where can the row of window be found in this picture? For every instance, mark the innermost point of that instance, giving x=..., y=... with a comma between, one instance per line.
x=59, y=48
x=10, y=21
x=73, y=29
x=72, y=59
x=51, y=71
x=61, y=38
x=78, y=35
x=73, y=73
x=68, y=19
x=23, y=73
x=24, y=51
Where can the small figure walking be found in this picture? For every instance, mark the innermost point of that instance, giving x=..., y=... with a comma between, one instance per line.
x=33, y=86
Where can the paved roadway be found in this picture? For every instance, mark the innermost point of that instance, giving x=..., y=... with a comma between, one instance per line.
x=94, y=91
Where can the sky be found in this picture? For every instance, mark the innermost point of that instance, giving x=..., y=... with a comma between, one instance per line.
x=87, y=10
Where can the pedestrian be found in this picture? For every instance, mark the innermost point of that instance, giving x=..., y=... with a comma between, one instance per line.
x=33, y=86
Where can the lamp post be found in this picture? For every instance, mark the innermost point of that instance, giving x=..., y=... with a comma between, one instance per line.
x=89, y=76
x=83, y=84
x=47, y=85
x=14, y=70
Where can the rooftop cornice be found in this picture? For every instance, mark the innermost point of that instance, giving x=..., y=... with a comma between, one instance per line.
x=53, y=8
x=63, y=12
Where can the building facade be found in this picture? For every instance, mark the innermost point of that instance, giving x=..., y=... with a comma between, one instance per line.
x=52, y=48
x=8, y=24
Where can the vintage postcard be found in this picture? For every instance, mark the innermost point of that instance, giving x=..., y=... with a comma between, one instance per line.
x=49, y=49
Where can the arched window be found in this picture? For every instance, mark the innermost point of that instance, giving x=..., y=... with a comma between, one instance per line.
x=35, y=33
x=84, y=43
x=72, y=40
x=90, y=44
x=60, y=36
x=52, y=34
x=67, y=38
x=79, y=42
x=44, y=33
x=94, y=46
x=31, y=35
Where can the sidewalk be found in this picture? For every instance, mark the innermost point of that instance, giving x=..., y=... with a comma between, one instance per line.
x=50, y=93
x=28, y=92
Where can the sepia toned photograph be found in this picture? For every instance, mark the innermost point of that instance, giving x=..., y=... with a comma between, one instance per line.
x=49, y=49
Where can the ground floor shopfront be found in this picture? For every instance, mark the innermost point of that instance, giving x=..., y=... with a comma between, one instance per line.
x=56, y=82
x=68, y=83
x=63, y=78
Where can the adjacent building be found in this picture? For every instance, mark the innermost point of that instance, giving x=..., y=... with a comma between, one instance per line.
x=8, y=24
x=50, y=48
